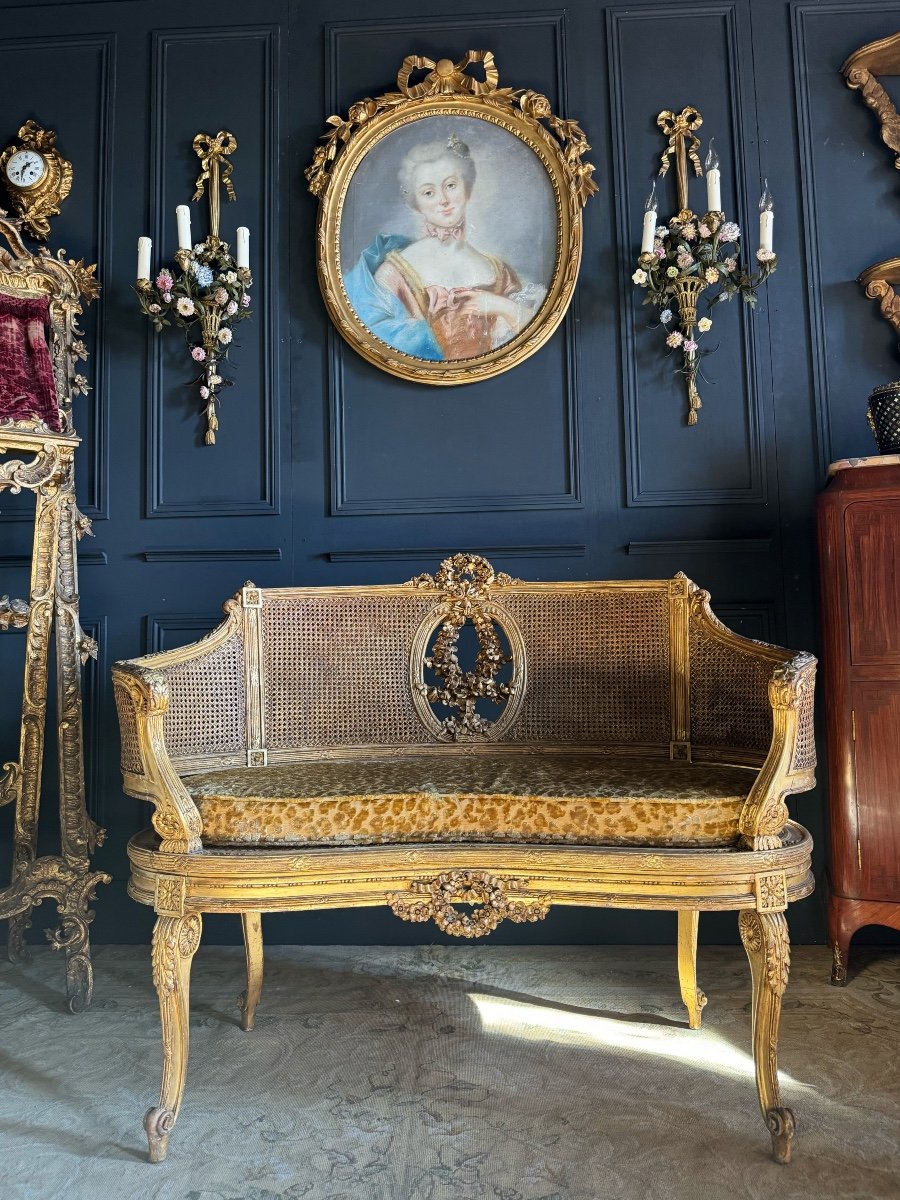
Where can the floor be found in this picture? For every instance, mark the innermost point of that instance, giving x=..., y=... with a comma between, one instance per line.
x=434, y=1073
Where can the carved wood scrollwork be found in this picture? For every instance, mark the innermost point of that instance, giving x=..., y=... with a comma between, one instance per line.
x=434, y=900
x=466, y=581
x=860, y=71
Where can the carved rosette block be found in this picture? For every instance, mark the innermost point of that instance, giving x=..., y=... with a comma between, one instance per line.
x=434, y=900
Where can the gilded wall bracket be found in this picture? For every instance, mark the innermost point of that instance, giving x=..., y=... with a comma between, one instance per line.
x=860, y=71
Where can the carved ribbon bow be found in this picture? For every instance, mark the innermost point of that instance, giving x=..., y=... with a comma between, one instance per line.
x=212, y=150
x=445, y=77
x=681, y=127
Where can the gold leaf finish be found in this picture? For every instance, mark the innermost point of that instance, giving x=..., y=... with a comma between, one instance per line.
x=41, y=200
x=51, y=615
x=860, y=71
x=434, y=900
x=449, y=89
x=729, y=708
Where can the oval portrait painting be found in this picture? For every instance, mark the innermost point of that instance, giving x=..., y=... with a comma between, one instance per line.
x=448, y=238
x=449, y=230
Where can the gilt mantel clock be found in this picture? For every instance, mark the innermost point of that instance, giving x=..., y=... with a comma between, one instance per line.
x=37, y=177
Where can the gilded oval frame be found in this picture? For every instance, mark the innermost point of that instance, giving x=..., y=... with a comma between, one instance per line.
x=448, y=90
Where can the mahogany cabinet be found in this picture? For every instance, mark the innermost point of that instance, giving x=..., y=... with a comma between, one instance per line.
x=859, y=571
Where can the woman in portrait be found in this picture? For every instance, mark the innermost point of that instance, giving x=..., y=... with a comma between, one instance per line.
x=438, y=297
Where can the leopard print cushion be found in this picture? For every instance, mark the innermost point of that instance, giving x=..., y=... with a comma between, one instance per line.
x=557, y=799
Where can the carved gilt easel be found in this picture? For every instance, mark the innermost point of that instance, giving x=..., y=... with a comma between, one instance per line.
x=51, y=607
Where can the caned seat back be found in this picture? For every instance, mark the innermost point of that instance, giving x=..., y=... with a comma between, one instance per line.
x=636, y=667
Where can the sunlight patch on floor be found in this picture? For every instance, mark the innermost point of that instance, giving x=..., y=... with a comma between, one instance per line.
x=700, y=1048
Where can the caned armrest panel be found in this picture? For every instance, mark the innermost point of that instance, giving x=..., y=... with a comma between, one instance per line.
x=206, y=687
x=731, y=703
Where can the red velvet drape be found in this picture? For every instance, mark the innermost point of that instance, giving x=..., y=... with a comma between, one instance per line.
x=27, y=389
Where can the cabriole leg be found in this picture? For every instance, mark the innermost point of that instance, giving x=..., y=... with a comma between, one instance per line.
x=765, y=938
x=253, y=949
x=175, y=941
x=693, y=999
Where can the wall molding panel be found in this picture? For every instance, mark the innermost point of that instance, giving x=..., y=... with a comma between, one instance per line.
x=91, y=411
x=161, y=630
x=438, y=553
x=752, y=620
x=201, y=554
x=802, y=11
x=343, y=500
x=709, y=546
x=266, y=305
x=640, y=488
x=94, y=690
x=577, y=464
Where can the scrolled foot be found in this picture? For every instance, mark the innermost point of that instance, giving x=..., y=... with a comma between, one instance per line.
x=695, y=1010
x=838, y=967
x=248, y=1014
x=781, y=1125
x=158, y=1124
x=79, y=982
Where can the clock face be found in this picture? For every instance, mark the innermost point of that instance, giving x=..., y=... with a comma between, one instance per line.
x=26, y=168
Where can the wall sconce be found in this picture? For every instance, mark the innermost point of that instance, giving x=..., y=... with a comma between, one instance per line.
x=680, y=260
x=210, y=292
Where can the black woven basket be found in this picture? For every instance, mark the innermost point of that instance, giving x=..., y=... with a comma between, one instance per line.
x=883, y=415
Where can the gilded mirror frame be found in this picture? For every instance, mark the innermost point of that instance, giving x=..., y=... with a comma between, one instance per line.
x=451, y=90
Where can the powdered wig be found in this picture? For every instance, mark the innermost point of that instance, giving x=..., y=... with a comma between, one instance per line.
x=428, y=152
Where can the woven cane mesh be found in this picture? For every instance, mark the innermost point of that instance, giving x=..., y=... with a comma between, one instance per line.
x=336, y=670
x=598, y=666
x=207, y=707
x=805, y=748
x=729, y=694
x=131, y=754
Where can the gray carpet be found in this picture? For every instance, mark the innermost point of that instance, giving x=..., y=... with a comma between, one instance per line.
x=471, y=1073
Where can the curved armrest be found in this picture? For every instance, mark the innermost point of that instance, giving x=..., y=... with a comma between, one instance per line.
x=790, y=764
x=142, y=694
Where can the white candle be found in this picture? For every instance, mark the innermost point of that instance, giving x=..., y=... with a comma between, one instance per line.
x=766, y=221
x=242, y=250
x=649, y=221
x=144, y=248
x=766, y=218
x=713, y=180
x=183, y=217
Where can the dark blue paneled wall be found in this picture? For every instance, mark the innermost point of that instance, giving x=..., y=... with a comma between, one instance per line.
x=575, y=465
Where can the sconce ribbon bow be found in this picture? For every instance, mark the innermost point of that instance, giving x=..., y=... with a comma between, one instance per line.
x=682, y=127
x=213, y=150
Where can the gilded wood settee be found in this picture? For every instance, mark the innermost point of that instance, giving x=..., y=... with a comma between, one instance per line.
x=612, y=745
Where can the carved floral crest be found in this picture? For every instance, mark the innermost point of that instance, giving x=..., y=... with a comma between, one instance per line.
x=466, y=581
